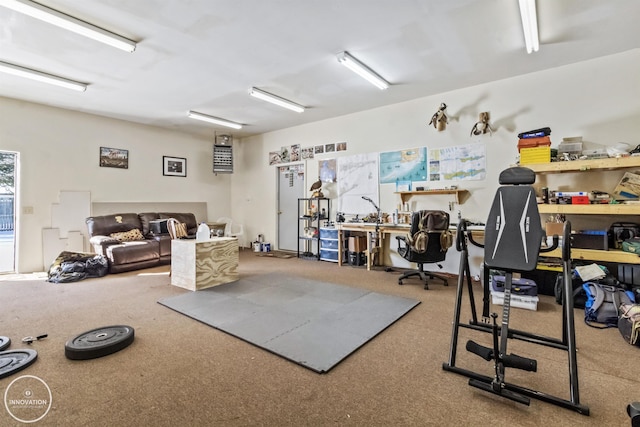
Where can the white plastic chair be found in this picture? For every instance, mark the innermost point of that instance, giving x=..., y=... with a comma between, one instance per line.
x=232, y=229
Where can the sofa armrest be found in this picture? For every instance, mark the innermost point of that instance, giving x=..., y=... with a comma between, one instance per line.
x=101, y=243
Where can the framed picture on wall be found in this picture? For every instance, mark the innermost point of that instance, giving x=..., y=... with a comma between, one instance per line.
x=114, y=158
x=174, y=166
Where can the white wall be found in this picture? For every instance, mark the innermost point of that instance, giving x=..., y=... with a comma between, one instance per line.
x=59, y=151
x=597, y=99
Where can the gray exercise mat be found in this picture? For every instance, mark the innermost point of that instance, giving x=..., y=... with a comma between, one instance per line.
x=312, y=323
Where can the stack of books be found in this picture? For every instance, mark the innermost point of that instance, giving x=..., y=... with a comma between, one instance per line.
x=534, y=146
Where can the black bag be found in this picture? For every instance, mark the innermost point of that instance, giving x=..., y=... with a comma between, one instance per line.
x=518, y=286
x=579, y=294
x=621, y=231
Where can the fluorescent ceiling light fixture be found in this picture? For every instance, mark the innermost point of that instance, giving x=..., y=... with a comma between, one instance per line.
x=362, y=70
x=530, y=24
x=266, y=96
x=28, y=73
x=62, y=20
x=214, y=120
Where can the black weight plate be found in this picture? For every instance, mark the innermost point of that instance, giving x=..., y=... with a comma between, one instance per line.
x=4, y=343
x=12, y=361
x=99, y=342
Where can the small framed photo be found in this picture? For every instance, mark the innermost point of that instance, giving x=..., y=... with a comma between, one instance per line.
x=174, y=166
x=114, y=158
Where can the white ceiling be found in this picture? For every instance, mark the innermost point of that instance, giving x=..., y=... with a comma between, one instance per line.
x=204, y=55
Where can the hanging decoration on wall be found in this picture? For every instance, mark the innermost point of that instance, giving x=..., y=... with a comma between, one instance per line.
x=439, y=120
x=482, y=126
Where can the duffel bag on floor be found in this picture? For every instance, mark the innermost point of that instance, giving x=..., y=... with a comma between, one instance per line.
x=629, y=323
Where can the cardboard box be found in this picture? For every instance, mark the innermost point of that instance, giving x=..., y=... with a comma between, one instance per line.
x=357, y=244
x=628, y=188
x=554, y=228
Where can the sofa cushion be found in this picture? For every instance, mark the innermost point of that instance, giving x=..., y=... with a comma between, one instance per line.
x=188, y=218
x=128, y=236
x=133, y=252
x=106, y=224
x=145, y=220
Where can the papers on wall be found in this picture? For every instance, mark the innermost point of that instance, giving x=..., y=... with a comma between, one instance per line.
x=462, y=162
x=403, y=165
x=358, y=177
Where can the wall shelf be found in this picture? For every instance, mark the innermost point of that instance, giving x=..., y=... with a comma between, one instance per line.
x=586, y=165
x=602, y=209
x=597, y=255
x=579, y=166
x=461, y=195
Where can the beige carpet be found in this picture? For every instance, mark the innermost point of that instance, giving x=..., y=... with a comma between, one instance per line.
x=180, y=372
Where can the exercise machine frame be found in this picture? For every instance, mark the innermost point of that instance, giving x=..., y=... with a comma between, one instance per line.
x=498, y=352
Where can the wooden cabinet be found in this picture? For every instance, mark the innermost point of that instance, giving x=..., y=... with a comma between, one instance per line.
x=578, y=167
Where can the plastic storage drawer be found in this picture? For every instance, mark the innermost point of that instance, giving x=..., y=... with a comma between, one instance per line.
x=329, y=243
x=328, y=233
x=329, y=255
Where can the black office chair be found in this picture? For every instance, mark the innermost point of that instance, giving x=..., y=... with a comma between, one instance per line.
x=427, y=243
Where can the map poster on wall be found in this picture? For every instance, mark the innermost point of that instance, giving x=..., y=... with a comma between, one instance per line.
x=357, y=178
x=403, y=165
x=459, y=163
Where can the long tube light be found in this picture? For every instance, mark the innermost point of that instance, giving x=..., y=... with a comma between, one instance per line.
x=62, y=20
x=214, y=120
x=28, y=73
x=362, y=70
x=274, y=99
x=529, y=24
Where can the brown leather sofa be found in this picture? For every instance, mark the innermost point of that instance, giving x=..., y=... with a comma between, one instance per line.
x=127, y=241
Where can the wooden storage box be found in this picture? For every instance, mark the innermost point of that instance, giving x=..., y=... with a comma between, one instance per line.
x=200, y=265
x=357, y=244
x=554, y=228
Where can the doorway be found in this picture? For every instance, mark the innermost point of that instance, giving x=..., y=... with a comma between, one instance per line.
x=290, y=189
x=8, y=167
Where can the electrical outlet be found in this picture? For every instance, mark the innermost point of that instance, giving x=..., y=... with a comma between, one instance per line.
x=27, y=210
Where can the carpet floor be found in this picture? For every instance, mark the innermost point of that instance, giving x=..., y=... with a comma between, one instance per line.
x=179, y=372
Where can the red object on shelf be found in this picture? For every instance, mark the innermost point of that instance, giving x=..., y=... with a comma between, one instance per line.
x=543, y=141
x=580, y=200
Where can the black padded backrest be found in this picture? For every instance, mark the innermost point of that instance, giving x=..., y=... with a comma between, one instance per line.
x=517, y=175
x=513, y=233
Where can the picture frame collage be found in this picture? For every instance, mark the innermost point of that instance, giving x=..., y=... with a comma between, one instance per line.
x=119, y=158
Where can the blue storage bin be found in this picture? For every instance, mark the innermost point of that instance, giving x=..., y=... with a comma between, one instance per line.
x=328, y=233
x=329, y=243
x=329, y=255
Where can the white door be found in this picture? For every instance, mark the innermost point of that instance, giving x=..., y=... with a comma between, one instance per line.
x=8, y=162
x=290, y=189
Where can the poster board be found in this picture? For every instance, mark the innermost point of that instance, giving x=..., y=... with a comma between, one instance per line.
x=357, y=177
